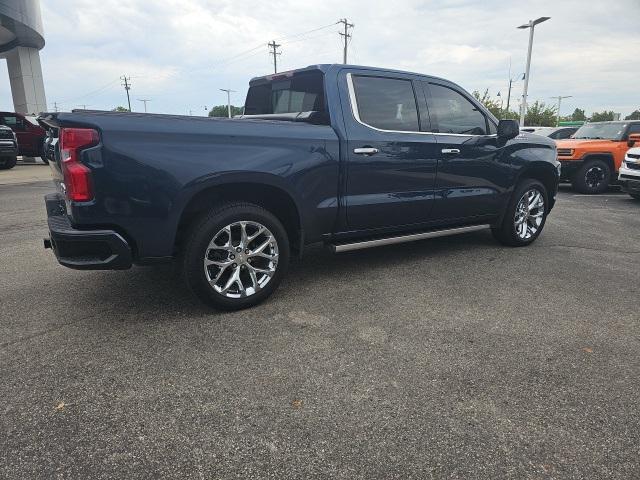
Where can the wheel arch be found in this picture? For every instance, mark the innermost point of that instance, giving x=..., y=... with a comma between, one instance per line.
x=604, y=156
x=273, y=198
x=546, y=174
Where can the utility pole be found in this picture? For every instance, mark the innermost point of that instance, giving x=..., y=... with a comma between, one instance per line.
x=84, y=106
x=55, y=107
x=346, y=36
x=559, y=98
x=228, y=99
x=144, y=100
x=127, y=87
x=531, y=26
x=273, y=50
x=511, y=80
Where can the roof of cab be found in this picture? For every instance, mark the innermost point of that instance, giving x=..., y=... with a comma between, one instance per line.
x=327, y=67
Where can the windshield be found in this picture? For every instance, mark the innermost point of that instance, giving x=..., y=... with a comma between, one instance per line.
x=302, y=92
x=605, y=131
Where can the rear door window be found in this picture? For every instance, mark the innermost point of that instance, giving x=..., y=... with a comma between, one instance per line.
x=386, y=103
x=453, y=113
x=303, y=92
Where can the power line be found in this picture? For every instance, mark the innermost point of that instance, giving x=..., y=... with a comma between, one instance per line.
x=346, y=36
x=127, y=87
x=273, y=50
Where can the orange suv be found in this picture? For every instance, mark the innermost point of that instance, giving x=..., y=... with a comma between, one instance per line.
x=592, y=157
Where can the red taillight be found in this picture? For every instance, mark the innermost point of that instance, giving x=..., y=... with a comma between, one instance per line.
x=77, y=177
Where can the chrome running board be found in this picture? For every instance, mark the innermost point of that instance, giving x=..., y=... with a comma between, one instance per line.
x=346, y=247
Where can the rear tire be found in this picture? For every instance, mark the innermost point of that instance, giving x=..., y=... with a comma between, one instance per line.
x=235, y=256
x=525, y=216
x=592, y=177
x=7, y=163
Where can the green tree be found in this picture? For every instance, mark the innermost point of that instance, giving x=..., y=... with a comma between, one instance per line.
x=492, y=105
x=635, y=115
x=604, y=116
x=222, y=111
x=120, y=109
x=578, y=115
x=540, y=115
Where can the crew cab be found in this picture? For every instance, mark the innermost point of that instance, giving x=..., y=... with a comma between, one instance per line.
x=592, y=157
x=29, y=134
x=349, y=156
x=8, y=148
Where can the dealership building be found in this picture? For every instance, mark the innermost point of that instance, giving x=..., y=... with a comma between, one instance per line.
x=21, y=39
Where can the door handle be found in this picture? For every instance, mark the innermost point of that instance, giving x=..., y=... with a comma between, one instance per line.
x=365, y=151
x=451, y=151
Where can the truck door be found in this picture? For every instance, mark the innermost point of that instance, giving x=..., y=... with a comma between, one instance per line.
x=471, y=177
x=391, y=163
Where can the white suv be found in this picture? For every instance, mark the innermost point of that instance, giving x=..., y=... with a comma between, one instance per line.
x=630, y=173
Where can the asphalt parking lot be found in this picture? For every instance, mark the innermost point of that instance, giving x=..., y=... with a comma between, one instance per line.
x=446, y=358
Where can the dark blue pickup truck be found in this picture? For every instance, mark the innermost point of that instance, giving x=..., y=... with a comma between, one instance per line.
x=349, y=156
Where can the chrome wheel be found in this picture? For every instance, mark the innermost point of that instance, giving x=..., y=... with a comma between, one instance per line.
x=594, y=176
x=241, y=259
x=529, y=214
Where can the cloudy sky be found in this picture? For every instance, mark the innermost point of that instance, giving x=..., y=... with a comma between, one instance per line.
x=179, y=53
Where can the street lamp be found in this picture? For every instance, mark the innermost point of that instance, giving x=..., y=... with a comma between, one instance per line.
x=511, y=80
x=531, y=26
x=228, y=99
x=559, y=98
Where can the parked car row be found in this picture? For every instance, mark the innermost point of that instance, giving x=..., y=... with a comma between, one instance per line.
x=598, y=154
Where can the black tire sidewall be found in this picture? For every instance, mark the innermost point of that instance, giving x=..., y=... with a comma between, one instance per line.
x=579, y=181
x=202, y=233
x=508, y=231
x=7, y=163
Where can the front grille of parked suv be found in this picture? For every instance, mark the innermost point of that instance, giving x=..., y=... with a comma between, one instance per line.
x=6, y=134
x=633, y=155
x=633, y=166
x=565, y=152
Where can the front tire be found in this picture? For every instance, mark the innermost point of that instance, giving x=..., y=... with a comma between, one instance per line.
x=7, y=163
x=236, y=256
x=592, y=177
x=525, y=216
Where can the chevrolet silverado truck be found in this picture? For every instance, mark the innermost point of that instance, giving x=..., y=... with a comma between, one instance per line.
x=8, y=148
x=592, y=157
x=629, y=176
x=352, y=157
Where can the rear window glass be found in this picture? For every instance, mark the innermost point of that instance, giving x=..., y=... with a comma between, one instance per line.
x=304, y=92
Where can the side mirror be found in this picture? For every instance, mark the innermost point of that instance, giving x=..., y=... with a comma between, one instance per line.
x=633, y=139
x=508, y=129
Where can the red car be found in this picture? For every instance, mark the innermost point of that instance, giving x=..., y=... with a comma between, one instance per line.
x=30, y=135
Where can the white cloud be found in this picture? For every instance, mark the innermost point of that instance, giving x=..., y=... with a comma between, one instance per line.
x=175, y=50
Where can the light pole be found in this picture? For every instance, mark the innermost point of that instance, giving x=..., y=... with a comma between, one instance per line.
x=559, y=98
x=531, y=26
x=511, y=80
x=228, y=99
x=144, y=100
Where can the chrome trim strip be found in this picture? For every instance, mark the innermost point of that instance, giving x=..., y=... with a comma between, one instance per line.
x=346, y=247
x=356, y=116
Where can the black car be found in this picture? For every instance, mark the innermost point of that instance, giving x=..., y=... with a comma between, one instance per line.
x=8, y=148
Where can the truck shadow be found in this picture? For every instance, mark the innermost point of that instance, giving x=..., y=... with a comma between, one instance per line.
x=151, y=292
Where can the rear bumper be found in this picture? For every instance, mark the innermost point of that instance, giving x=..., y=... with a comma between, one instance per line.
x=83, y=249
